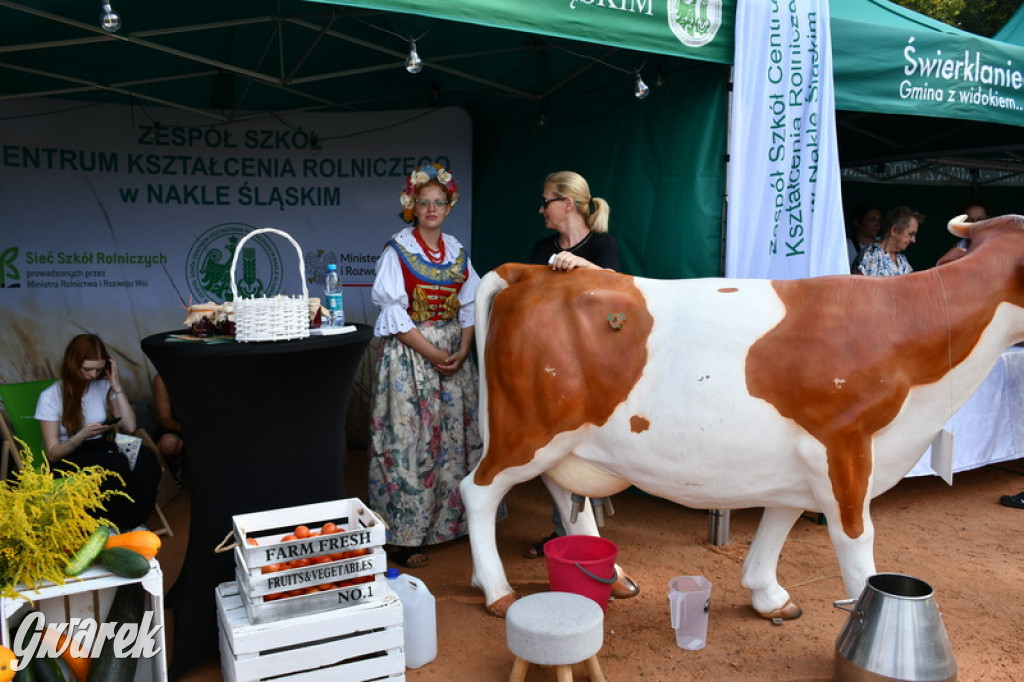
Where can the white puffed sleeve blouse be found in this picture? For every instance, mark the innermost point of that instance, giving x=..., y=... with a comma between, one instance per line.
x=389, y=292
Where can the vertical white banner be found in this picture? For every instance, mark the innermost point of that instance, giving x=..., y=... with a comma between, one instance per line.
x=785, y=217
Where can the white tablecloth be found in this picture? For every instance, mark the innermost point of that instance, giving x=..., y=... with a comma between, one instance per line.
x=989, y=428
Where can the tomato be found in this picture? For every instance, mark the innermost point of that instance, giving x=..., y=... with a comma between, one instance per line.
x=329, y=527
x=288, y=538
x=302, y=532
x=252, y=541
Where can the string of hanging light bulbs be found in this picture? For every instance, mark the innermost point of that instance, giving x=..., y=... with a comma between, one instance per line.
x=414, y=64
x=640, y=89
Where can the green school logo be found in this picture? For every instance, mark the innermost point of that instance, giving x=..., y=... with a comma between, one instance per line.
x=10, y=276
x=208, y=267
x=695, y=22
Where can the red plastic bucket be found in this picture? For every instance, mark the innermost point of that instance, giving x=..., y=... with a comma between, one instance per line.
x=582, y=564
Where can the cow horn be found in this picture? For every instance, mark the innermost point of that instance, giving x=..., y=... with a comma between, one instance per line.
x=959, y=226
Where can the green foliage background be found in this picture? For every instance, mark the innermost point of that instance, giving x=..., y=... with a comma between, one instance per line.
x=983, y=17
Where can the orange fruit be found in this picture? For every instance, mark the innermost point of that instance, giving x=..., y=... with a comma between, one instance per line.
x=7, y=660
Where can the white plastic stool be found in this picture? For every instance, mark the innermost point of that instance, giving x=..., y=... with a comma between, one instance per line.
x=555, y=628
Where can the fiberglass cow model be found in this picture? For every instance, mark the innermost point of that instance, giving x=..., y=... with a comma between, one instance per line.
x=815, y=394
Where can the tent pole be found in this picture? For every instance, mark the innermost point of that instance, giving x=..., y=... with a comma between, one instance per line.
x=718, y=519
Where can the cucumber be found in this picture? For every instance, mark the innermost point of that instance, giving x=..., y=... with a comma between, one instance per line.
x=124, y=562
x=128, y=607
x=27, y=674
x=47, y=670
x=87, y=554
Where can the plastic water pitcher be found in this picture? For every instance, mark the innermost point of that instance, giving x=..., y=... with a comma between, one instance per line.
x=419, y=615
x=689, y=598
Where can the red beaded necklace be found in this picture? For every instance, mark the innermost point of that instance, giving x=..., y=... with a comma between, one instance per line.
x=435, y=256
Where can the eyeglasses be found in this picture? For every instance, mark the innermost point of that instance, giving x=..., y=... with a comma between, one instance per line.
x=436, y=203
x=544, y=201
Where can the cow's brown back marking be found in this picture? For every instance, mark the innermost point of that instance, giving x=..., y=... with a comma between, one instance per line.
x=843, y=360
x=552, y=362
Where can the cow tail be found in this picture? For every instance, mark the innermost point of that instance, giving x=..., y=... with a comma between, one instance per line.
x=490, y=286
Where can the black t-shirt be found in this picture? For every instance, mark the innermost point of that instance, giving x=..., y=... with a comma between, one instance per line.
x=600, y=248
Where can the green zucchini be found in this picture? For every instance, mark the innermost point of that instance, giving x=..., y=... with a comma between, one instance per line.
x=129, y=606
x=87, y=554
x=124, y=562
x=47, y=670
x=27, y=674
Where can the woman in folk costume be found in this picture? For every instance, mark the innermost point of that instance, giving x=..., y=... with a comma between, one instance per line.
x=424, y=436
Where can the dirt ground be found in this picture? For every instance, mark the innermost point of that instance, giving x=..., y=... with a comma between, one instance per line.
x=959, y=540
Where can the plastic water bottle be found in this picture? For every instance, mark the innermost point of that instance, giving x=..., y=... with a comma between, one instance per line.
x=419, y=617
x=333, y=294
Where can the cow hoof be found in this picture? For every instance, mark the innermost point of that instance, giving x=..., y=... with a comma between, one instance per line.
x=788, y=612
x=500, y=607
x=624, y=588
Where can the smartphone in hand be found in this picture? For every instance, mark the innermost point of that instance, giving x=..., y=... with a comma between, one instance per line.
x=110, y=421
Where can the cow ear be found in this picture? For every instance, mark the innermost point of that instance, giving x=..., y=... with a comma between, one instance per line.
x=960, y=227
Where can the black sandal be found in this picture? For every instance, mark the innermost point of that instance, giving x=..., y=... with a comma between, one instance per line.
x=403, y=555
x=1015, y=501
x=536, y=550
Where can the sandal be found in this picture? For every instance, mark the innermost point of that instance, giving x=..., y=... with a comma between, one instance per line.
x=1016, y=501
x=407, y=557
x=536, y=550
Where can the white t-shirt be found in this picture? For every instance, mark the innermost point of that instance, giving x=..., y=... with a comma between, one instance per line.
x=94, y=405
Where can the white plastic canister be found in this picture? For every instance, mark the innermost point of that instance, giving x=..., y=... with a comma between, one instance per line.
x=419, y=616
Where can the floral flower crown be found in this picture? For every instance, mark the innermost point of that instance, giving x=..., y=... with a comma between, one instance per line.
x=420, y=177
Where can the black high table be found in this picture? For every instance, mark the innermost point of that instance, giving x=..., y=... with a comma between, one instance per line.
x=265, y=428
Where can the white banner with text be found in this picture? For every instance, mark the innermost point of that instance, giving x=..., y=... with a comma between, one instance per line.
x=785, y=218
x=115, y=217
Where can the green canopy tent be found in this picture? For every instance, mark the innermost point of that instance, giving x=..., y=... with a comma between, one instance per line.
x=538, y=102
x=547, y=86
x=898, y=143
x=1013, y=31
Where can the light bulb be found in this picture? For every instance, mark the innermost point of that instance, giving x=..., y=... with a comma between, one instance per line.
x=109, y=20
x=640, y=90
x=413, y=63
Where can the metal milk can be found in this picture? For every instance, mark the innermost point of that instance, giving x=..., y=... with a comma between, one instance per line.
x=894, y=632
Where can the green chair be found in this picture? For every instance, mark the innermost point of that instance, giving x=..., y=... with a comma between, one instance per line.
x=18, y=419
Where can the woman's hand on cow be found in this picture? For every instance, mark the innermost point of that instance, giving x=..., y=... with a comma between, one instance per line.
x=569, y=261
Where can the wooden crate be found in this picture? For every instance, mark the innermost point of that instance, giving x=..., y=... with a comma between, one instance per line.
x=89, y=596
x=356, y=644
x=348, y=566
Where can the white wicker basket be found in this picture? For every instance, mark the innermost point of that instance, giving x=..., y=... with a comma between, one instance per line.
x=270, y=319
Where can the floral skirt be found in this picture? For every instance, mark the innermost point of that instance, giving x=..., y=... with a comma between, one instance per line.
x=424, y=439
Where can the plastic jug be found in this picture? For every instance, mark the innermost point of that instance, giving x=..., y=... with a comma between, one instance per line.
x=689, y=599
x=419, y=617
